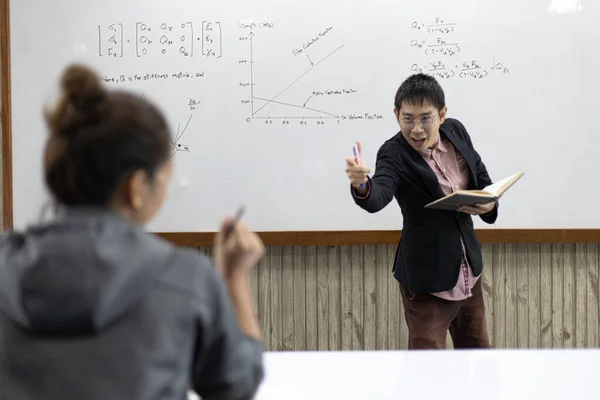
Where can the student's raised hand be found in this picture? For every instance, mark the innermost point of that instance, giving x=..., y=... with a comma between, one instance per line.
x=477, y=209
x=356, y=170
x=236, y=249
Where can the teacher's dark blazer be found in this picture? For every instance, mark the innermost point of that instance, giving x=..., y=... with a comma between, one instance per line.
x=428, y=256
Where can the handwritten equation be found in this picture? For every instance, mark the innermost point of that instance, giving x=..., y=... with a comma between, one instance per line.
x=436, y=47
x=438, y=26
x=465, y=70
x=436, y=43
x=185, y=39
x=438, y=40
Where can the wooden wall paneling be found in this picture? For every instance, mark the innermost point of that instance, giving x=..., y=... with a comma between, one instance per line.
x=345, y=297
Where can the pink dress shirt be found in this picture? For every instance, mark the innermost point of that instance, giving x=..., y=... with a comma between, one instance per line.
x=453, y=174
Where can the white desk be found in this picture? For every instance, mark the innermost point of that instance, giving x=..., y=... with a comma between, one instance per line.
x=440, y=375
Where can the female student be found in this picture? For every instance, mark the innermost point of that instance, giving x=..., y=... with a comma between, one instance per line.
x=94, y=307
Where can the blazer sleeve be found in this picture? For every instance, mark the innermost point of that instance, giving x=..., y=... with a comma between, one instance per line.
x=483, y=178
x=382, y=187
x=228, y=364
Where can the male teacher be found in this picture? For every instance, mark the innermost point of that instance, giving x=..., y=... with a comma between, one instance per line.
x=438, y=262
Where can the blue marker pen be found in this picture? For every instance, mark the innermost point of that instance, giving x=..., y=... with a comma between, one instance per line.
x=357, y=155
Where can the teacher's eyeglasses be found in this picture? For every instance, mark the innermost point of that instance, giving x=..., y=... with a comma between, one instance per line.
x=426, y=122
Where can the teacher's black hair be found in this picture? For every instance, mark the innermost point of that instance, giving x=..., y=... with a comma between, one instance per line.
x=417, y=89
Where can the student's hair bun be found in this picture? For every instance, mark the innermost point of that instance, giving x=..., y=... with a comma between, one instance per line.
x=81, y=86
x=98, y=137
x=80, y=106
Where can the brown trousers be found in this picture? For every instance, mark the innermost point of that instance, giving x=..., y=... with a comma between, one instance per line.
x=429, y=318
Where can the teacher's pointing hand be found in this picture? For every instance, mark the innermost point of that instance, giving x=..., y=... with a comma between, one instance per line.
x=356, y=170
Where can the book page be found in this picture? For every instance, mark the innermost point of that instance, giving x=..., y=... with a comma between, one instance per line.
x=497, y=187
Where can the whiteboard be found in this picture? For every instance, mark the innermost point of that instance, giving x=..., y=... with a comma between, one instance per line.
x=267, y=97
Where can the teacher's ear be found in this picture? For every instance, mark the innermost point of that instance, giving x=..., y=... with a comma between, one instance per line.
x=397, y=114
x=443, y=112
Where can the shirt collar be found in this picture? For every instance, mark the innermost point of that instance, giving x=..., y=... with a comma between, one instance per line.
x=441, y=146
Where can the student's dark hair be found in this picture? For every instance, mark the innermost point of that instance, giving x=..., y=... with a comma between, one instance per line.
x=419, y=88
x=99, y=137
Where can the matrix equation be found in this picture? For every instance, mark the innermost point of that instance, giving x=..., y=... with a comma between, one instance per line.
x=465, y=70
x=185, y=39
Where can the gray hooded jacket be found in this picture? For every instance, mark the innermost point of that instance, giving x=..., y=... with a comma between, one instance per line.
x=95, y=308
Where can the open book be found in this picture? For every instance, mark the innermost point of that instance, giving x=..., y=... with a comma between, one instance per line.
x=489, y=194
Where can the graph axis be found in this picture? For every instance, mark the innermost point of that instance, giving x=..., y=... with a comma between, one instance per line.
x=272, y=100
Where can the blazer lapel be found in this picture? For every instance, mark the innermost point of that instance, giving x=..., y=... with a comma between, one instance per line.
x=461, y=147
x=428, y=178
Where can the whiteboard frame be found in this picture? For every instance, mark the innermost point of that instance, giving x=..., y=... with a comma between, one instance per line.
x=284, y=238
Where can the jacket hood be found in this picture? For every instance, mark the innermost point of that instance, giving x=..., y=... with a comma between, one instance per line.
x=79, y=273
